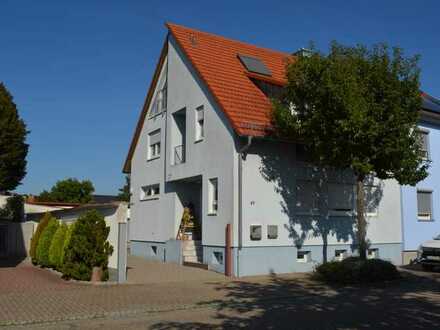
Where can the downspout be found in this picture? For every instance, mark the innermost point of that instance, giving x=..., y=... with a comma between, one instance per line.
x=241, y=156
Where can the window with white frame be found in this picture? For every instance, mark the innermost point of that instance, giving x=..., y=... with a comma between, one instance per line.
x=304, y=256
x=424, y=142
x=340, y=255
x=424, y=205
x=150, y=192
x=372, y=199
x=213, y=196
x=306, y=196
x=340, y=198
x=200, y=123
x=160, y=101
x=373, y=253
x=272, y=231
x=255, y=232
x=154, y=144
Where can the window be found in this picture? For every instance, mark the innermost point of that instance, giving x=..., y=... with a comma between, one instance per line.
x=372, y=200
x=373, y=253
x=424, y=142
x=154, y=144
x=218, y=257
x=340, y=255
x=304, y=256
x=213, y=196
x=160, y=102
x=200, y=123
x=340, y=198
x=306, y=196
x=154, y=249
x=150, y=192
x=424, y=205
x=272, y=232
x=255, y=233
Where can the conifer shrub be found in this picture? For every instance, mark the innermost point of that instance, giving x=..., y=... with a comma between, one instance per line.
x=36, y=237
x=88, y=247
x=56, y=246
x=45, y=241
x=66, y=243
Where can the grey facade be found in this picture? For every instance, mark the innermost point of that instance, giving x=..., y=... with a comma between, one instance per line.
x=257, y=191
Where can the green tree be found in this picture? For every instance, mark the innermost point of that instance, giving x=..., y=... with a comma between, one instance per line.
x=14, y=209
x=56, y=246
x=36, y=237
x=88, y=247
x=356, y=109
x=45, y=242
x=66, y=242
x=124, y=192
x=69, y=191
x=13, y=147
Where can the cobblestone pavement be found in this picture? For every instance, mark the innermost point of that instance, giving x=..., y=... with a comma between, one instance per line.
x=293, y=301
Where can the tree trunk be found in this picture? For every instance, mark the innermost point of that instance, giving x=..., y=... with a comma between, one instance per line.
x=361, y=222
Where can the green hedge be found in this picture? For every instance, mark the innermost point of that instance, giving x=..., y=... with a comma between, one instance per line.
x=56, y=246
x=88, y=247
x=354, y=270
x=45, y=241
x=66, y=242
x=36, y=237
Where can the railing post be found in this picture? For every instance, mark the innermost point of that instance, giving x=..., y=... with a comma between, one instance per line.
x=228, y=250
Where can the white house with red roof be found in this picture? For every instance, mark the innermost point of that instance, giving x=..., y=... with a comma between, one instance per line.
x=202, y=142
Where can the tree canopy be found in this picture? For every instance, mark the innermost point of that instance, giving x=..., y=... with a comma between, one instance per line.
x=13, y=147
x=124, y=192
x=69, y=191
x=356, y=108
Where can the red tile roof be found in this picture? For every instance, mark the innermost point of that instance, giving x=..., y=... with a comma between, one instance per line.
x=215, y=59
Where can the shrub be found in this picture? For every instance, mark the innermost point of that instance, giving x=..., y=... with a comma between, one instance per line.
x=354, y=270
x=56, y=246
x=36, y=237
x=45, y=241
x=88, y=247
x=66, y=242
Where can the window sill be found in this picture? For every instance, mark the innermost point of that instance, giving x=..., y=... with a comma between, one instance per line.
x=341, y=213
x=149, y=199
x=424, y=220
x=211, y=214
x=153, y=158
x=199, y=140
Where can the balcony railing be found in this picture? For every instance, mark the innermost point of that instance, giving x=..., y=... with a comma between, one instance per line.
x=179, y=154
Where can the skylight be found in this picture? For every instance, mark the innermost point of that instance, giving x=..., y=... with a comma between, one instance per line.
x=254, y=65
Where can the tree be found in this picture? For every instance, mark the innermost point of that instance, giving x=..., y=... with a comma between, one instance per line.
x=124, y=192
x=69, y=191
x=88, y=247
x=13, y=147
x=45, y=242
x=56, y=247
x=356, y=109
x=14, y=209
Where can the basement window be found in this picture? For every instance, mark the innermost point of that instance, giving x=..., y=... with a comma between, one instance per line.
x=154, y=250
x=255, y=234
x=373, y=253
x=304, y=256
x=340, y=255
x=218, y=257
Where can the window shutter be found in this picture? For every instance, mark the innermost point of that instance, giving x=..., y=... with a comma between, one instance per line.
x=424, y=202
x=155, y=137
x=200, y=114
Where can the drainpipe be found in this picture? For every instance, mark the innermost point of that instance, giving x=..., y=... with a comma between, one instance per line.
x=241, y=156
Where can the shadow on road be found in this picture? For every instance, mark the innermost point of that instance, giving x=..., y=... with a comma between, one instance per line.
x=282, y=303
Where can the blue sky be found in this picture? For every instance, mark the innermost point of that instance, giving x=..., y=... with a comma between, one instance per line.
x=79, y=70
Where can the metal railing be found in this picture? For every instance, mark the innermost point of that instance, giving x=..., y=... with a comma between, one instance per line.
x=179, y=154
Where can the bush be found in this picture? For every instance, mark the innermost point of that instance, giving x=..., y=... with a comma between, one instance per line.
x=88, y=247
x=36, y=237
x=56, y=246
x=66, y=242
x=354, y=270
x=45, y=241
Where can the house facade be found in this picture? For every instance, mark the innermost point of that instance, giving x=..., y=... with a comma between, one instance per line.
x=201, y=144
x=420, y=204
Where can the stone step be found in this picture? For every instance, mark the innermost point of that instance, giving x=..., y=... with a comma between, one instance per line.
x=191, y=259
x=196, y=264
x=187, y=243
x=191, y=254
x=198, y=249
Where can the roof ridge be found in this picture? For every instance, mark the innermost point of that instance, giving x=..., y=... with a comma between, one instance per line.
x=169, y=25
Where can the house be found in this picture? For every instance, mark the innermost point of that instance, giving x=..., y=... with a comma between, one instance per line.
x=420, y=204
x=201, y=143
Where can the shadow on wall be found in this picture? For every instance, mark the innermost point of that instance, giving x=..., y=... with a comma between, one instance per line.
x=14, y=242
x=319, y=202
x=299, y=303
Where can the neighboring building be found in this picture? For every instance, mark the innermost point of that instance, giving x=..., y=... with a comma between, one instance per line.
x=420, y=204
x=201, y=142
